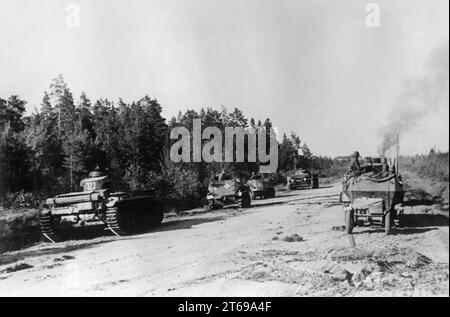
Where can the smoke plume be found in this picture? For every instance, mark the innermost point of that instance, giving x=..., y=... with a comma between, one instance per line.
x=421, y=96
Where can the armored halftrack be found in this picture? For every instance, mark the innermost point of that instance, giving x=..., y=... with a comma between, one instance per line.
x=224, y=190
x=303, y=179
x=372, y=198
x=260, y=186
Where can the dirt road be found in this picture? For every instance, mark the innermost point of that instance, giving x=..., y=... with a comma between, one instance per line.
x=291, y=245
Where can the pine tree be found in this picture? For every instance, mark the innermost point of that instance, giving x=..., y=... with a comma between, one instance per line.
x=46, y=107
x=14, y=161
x=62, y=101
x=47, y=150
x=11, y=112
x=84, y=117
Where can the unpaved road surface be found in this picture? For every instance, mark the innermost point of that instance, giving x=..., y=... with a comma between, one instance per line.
x=291, y=245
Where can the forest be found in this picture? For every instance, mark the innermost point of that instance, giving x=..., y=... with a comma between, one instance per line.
x=49, y=151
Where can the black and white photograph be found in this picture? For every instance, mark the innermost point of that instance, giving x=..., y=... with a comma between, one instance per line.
x=221, y=154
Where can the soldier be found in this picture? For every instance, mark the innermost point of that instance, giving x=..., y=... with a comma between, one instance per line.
x=355, y=167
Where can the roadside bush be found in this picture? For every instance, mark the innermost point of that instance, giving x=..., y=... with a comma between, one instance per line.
x=20, y=200
x=185, y=182
x=18, y=229
x=280, y=178
x=178, y=179
x=434, y=166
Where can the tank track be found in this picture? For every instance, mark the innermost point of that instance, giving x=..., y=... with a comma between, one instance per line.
x=112, y=221
x=45, y=221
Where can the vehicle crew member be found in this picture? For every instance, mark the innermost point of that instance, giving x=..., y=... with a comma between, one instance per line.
x=355, y=167
x=384, y=167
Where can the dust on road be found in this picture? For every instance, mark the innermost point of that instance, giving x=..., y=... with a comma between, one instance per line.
x=291, y=245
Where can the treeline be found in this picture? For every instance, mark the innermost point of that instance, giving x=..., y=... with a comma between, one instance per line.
x=51, y=150
x=290, y=159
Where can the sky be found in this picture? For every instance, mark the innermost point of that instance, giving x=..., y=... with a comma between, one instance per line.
x=312, y=66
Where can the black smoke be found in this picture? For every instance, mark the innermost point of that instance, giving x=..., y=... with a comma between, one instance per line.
x=421, y=95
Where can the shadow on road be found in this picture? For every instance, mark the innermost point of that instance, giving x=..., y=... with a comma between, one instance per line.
x=81, y=239
x=165, y=226
x=267, y=204
x=417, y=197
x=185, y=223
x=396, y=231
x=406, y=230
x=48, y=249
x=424, y=220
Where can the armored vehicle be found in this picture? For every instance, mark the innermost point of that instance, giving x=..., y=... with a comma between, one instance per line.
x=261, y=186
x=303, y=179
x=371, y=199
x=121, y=212
x=225, y=190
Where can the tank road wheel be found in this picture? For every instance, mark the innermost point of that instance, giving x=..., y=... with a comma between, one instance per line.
x=388, y=222
x=47, y=227
x=349, y=220
x=246, y=200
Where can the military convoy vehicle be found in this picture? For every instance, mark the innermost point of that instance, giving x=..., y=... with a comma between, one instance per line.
x=225, y=190
x=373, y=199
x=303, y=179
x=120, y=212
x=260, y=186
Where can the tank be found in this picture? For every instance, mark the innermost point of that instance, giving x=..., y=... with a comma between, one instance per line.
x=372, y=199
x=122, y=213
